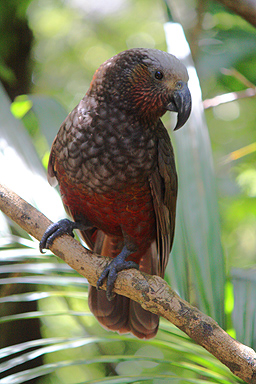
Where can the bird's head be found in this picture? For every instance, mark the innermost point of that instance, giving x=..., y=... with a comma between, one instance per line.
x=147, y=82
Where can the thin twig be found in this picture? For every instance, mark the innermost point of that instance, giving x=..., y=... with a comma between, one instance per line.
x=228, y=97
x=237, y=75
x=232, y=96
x=241, y=152
x=151, y=292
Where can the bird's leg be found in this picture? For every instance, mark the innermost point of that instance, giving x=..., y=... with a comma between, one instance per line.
x=64, y=226
x=116, y=265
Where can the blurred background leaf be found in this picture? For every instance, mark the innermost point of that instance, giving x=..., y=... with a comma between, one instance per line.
x=198, y=231
x=244, y=313
x=49, y=51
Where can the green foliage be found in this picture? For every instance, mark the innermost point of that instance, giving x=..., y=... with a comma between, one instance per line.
x=73, y=40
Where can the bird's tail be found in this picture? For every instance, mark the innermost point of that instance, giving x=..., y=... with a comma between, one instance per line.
x=122, y=314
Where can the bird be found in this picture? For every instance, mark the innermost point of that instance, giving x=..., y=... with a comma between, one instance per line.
x=114, y=163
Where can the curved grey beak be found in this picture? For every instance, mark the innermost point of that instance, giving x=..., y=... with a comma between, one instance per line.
x=181, y=103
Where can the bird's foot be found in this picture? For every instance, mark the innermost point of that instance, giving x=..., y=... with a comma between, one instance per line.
x=116, y=265
x=64, y=226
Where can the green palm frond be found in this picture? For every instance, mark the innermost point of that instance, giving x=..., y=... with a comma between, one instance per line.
x=197, y=256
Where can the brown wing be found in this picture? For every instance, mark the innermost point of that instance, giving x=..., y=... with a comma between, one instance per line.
x=164, y=185
x=89, y=235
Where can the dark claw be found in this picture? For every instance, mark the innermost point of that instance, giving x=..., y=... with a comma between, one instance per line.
x=56, y=230
x=115, y=266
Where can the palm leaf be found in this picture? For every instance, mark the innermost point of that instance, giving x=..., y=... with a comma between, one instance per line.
x=244, y=313
x=197, y=255
x=22, y=170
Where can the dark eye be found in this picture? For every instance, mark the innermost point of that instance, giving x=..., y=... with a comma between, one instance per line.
x=159, y=75
x=179, y=85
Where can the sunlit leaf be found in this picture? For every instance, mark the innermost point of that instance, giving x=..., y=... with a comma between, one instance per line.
x=58, y=280
x=40, y=314
x=21, y=106
x=38, y=268
x=35, y=296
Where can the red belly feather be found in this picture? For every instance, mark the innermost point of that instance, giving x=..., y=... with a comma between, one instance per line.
x=129, y=210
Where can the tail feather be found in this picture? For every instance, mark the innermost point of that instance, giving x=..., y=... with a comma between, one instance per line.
x=122, y=314
x=112, y=315
x=142, y=323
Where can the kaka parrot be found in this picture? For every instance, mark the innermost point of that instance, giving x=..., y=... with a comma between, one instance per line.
x=114, y=162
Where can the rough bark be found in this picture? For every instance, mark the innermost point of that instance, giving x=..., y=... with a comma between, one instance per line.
x=151, y=292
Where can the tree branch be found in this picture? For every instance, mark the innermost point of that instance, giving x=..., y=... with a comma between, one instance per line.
x=228, y=97
x=244, y=8
x=231, y=96
x=151, y=292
